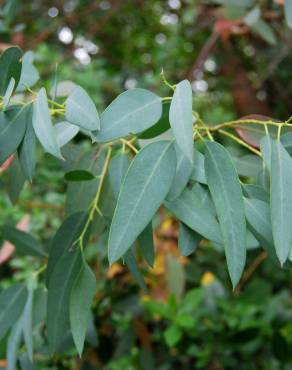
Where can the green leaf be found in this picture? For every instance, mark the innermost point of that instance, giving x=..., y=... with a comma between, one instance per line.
x=227, y=196
x=81, y=111
x=198, y=173
x=172, y=335
x=131, y=112
x=265, y=31
x=60, y=285
x=281, y=200
x=13, y=344
x=42, y=124
x=175, y=277
x=8, y=93
x=83, y=292
x=256, y=192
x=29, y=74
x=27, y=322
x=24, y=242
x=146, y=184
x=202, y=192
x=288, y=12
x=146, y=244
x=117, y=170
x=64, y=239
x=13, y=124
x=248, y=165
x=188, y=240
x=131, y=262
x=27, y=148
x=25, y=363
x=10, y=67
x=79, y=175
x=190, y=210
x=266, y=150
x=286, y=140
x=183, y=172
x=181, y=118
x=259, y=219
x=65, y=132
x=160, y=127
x=12, y=301
x=15, y=180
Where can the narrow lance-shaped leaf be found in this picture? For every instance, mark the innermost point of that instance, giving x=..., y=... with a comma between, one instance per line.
x=12, y=301
x=227, y=196
x=13, y=344
x=83, y=292
x=42, y=124
x=288, y=12
x=26, y=150
x=281, y=200
x=131, y=262
x=24, y=242
x=181, y=118
x=146, y=184
x=60, y=286
x=8, y=93
x=146, y=244
x=27, y=322
x=81, y=111
x=131, y=112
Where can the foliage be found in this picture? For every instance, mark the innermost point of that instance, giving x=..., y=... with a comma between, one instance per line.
x=227, y=184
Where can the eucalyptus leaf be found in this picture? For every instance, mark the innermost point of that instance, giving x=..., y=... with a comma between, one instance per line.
x=288, y=12
x=65, y=132
x=117, y=170
x=131, y=262
x=8, y=93
x=181, y=118
x=42, y=124
x=281, y=200
x=188, y=240
x=10, y=67
x=29, y=74
x=161, y=126
x=227, y=196
x=82, y=294
x=256, y=192
x=131, y=112
x=13, y=344
x=198, y=173
x=81, y=111
x=146, y=184
x=24, y=242
x=27, y=322
x=79, y=175
x=146, y=244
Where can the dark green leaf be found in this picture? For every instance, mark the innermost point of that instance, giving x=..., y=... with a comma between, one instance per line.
x=188, y=240
x=227, y=196
x=12, y=301
x=130, y=113
x=81, y=111
x=79, y=175
x=281, y=200
x=15, y=180
x=64, y=239
x=131, y=262
x=161, y=126
x=59, y=291
x=181, y=118
x=146, y=244
x=10, y=67
x=146, y=184
x=42, y=124
x=26, y=150
x=83, y=292
x=24, y=242
x=12, y=128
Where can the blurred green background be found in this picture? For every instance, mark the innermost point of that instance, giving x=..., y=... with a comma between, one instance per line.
x=237, y=55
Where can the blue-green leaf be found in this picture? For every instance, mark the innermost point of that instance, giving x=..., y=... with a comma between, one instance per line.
x=256, y=192
x=130, y=113
x=27, y=322
x=181, y=118
x=8, y=93
x=29, y=74
x=81, y=111
x=131, y=262
x=189, y=209
x=10, y=66
x=65, y=132
x=117, y=170
x=227, y=196
x=146, y=184
x=83, y=292
x=161, y=126
x=12, y=301
x=198, y=173
x=281, y=200
x=188, y=240
x=42, y=124
x=13, y=344
x=288, y=12
x=59, y=291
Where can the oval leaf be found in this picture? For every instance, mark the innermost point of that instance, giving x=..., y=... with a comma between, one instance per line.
x=188, y=240
x=65, y=132
x=79, y=175
x=130, y=113
x=10, y=67
x=81, y=111
x=42, y=125
x=146, y=184
x=227, y=196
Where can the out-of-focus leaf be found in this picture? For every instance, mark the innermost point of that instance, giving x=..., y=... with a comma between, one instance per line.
x=79, y=175
x=265, y=31
x=10, y=67
x=15, y=180
x=188, y=240
x=175, y=276
x=146, y=244
x=288, y=12
x=131, y=262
